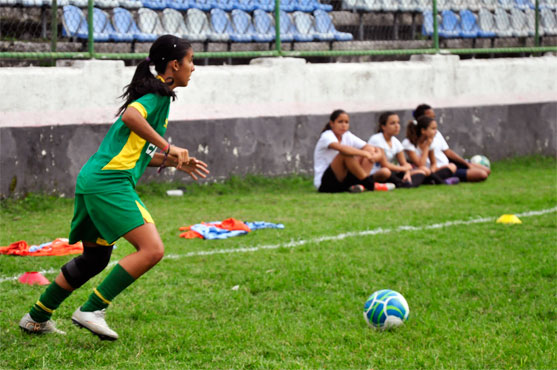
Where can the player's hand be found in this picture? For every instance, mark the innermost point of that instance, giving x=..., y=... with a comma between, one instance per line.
x=195, y=168
x=181, y=156
x=377, y=154
x=433, y=169
x=407, y=167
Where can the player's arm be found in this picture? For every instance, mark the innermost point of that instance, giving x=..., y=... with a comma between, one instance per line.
x=194, y=167
x=133, y=119
x=432, y=160
x=456, y=158
x=351, y=151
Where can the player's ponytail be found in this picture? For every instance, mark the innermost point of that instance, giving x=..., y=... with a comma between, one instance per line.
x=165, y=49
x=333, y=118
x=415, y=127
x=383, y=118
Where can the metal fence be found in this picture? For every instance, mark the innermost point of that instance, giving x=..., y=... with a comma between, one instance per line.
x=125, y=29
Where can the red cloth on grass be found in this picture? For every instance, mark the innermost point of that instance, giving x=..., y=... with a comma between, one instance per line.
x=228, y=224
x=58, y=247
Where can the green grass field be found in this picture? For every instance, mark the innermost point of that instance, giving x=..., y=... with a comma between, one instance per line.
x=481, y=295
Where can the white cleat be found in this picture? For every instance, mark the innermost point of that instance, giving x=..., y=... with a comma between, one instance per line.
x=95, y=323
x=29, y=325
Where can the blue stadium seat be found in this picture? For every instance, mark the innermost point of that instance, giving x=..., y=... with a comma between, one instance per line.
x=246, y=5
x=74, y=24
x=523, y=4
x=324, y=7
x=264, y=23
x=304, y=5
x=149, y=22
x=226, y=5
x=123, y=22
x=265, y=5
x=324, y=24
x=205, y=5
x=221, y=25
x=104, y=25
x=179, y=4
x=242, y=27
x=468, y=24
x=288, y=5
x=486, y=24
x=290, y=28
x=154, y=4
x=305, y=30
x=427, y=25
x=450, y=25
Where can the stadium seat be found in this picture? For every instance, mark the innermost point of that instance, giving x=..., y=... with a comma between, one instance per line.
x=131, y=4
x=79, y=3
x=549, y=22
x=458, y=5
x=324, y=24
x=390, y=5
x=246, y=5
x=107, y=4
x=519, y=24
x=179, y=4
x=370, y=5
x=74, y=24
x=174, y=24
x=409, y=6
x=289, y=27
x=288, y=5
x=242, y=28
x=305, y=24
x=506, y=4
x=149, y=22
x=265, y=5
x=424, y=5
x=221, y=26
x=102, y=24
x=154, y=4
x=443, y=5
x=450, y=25
x=123, y=22
x=205, y=5
x=226, y=5
x=319, y=6
x=531, y=23
x=264, y=26
x=427, y=25
x=488, y=4
x=486, y=24
x=523, y=4
x=548, y=4
x=199, y=29
x=307, y=6
x=502, y=23
x=468, y=24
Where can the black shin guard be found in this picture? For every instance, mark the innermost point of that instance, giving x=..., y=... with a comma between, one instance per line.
x=395, y=180
x=417, y=179
x=368, y=183
x=93, y=260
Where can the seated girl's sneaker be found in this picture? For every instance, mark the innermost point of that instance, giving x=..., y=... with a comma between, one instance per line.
x=384, y=187
x=358, y=188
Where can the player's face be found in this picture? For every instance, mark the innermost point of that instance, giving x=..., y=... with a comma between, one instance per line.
x=429, y=113
x=392, y=127
x=340, y=125
x=431, y=130
x=185, y=69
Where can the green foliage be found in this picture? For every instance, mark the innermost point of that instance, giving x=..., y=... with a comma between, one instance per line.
x=481, y=295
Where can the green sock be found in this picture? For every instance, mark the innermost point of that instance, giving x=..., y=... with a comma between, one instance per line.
x=52, y=297
x=117, y=280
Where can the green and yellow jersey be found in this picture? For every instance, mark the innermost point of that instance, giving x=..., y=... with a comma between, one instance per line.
x=123, y=156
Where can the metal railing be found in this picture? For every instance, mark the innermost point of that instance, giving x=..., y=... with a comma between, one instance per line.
x=44, y=30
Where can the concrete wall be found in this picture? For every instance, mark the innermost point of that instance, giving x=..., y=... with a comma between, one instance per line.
x=266, y=117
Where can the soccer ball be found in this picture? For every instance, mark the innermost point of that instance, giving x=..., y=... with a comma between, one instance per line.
x=386, y=309
x=481, y=159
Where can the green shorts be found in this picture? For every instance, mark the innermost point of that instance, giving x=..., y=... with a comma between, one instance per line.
x=104, y=218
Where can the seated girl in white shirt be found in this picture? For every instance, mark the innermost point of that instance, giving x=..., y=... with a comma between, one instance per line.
x=394, y=168
x=343, y=161
x=420, y=150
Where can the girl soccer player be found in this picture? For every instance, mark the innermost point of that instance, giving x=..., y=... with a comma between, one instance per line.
x=106, y=204
x=343, y=161
x=466, y=171
x=418, y=147
x=395, y=169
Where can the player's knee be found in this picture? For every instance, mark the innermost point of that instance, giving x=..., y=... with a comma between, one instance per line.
x=82, y=268
x=452, y=167
x=155, y=254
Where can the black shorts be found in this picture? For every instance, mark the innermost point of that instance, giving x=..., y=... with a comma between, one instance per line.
x=330, y=184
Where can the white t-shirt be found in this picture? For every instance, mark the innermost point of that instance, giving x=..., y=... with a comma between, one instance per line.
x=323, y=155
x=439, y=145
x=391, y=151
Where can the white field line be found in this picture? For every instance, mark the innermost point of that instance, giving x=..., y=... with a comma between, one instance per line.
x=297, y=243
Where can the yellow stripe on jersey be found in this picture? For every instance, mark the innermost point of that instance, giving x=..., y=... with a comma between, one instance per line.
x=166, y=123
x=144, y=213
x=101, y=241
x=141, y=109
x=128, y=156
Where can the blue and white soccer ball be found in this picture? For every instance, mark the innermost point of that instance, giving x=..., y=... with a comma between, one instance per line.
x=481, y=159
x=386, y=309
